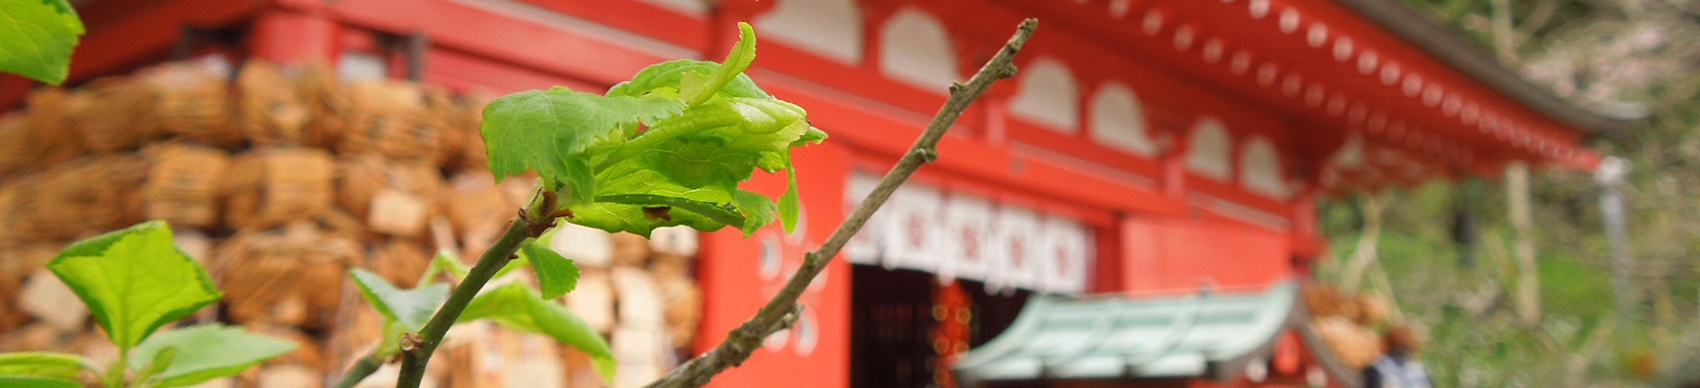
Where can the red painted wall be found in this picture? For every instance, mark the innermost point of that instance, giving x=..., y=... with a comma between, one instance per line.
x=737, y=275
x=1177, y=255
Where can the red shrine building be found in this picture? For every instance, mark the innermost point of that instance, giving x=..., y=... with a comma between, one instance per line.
x=1147, y=184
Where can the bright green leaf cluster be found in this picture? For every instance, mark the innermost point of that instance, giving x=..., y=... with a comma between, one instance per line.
x=135, y=281
x=38, y=37
x=668, y=147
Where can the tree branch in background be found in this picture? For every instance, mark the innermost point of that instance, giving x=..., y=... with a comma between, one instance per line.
x=781, y=311
x=1365, y=254
x=1528, y=293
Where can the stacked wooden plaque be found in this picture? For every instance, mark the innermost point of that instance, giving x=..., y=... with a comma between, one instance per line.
x=280, y=181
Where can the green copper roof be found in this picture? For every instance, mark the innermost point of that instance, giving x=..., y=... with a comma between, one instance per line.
x=1115, y=337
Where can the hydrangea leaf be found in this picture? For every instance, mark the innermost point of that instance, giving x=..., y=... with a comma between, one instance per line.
x=548, y=131
x=135, y=280
x=207, y=352
x=39, y=37
x=412, y=308
x=521, y=308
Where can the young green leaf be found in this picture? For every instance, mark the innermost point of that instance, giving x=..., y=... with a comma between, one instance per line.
x=35, y=382
x=412, y=308
x=758, y=209
x=548, y=131
x=789, y=204
x=696, y=90
x=45, y=365
x=735, y=118
x=134, y=280
x=521, y=308
x=663, y=80
x=556, y=274
x=38, y=39
x=207, y=352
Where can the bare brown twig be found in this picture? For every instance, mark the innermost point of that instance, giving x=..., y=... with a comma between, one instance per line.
x=781, y=310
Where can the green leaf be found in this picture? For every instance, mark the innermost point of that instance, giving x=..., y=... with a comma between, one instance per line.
x=692, y=171
x=663, y=80
x=519, y=307
x=689, y=166
x=207, y=352
x=134, y=280
x=556, y=274
x=548, y=131
x=695, y=90
x=683, y=167
x=37, y=39
x=42, y=364
x=412, y=308
x=759, y=210
x=789, y=204
x=717, y=212
x=35, y=382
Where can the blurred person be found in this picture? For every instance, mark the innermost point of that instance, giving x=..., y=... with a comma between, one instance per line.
x=1398, y=366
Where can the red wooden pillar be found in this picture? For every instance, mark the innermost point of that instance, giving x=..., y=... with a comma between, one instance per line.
x=1307, y=239
x=296, y=34
x=13, y=89
x=1172, y=162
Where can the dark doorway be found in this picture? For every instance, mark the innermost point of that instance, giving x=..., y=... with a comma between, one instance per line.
x=892, y=325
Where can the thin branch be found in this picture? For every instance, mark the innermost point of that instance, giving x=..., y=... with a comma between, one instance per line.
x=783, y=308
x=361, y=370
x=416, y=349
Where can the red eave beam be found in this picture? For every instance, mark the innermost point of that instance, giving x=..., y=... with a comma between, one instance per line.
x=506, y=36
x=121, y=35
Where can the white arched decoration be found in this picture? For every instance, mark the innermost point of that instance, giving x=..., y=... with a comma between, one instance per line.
x=1260, y=169
x=1209, y=148
x=916, y=49
x=1048, y=96
x=829, y=28
x=1118, y=121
